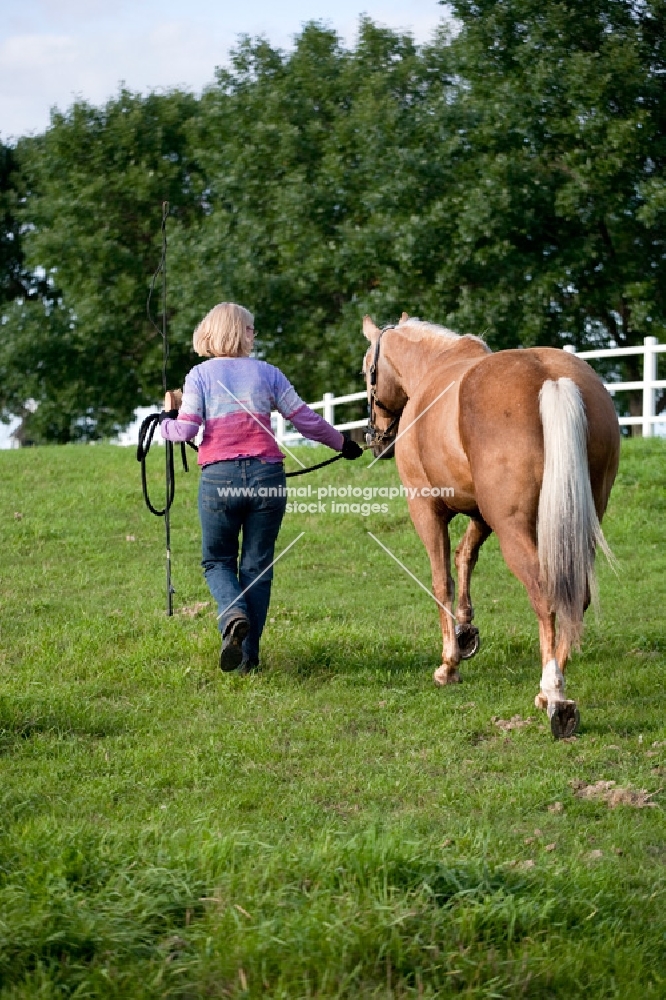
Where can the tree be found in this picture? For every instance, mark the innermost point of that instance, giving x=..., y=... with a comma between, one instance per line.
x=560, y=216
x=94, y=185
x=311, y=162
x=11, y=255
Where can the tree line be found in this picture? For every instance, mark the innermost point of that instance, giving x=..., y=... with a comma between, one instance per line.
x=505, y=179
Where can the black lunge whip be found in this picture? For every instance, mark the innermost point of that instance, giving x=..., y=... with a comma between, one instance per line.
x=151, y=422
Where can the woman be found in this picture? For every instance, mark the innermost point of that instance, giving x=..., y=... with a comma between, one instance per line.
x=242, y=485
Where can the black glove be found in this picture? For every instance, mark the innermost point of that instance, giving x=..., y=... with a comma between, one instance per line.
x=351, y=450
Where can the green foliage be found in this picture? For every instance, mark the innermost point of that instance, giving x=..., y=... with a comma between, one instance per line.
x=313, y=163
x=335, y=825
x=95, y=183
x=561, y=235
x=11, y=257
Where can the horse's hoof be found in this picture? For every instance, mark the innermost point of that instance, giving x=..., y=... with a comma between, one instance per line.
x=469, y=641
x=565, y=720
x=446, y=675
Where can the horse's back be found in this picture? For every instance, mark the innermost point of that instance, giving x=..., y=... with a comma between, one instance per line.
x=501, y=431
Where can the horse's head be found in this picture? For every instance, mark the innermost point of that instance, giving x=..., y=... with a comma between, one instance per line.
x=386, y=398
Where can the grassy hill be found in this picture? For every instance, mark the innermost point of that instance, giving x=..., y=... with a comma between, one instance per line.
x=334, y=826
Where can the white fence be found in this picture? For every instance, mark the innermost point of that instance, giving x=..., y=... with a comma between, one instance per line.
x=327, y=406
x=649, y=385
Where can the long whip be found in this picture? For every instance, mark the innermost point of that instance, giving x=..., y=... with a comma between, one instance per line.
x=143, y=446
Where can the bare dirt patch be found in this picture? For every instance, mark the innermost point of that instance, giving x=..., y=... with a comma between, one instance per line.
x=194, y=609
x=515, y=722
x=607, y=791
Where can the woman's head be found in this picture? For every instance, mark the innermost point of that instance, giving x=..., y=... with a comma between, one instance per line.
x=227, y=331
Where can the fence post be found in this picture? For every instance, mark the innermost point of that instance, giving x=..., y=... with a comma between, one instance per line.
x=329, y=409
x=569, y=348
x=649, y=378
x=279, y=435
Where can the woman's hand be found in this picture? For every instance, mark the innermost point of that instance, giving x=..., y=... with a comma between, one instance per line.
x=351, y=450
x=173, y=399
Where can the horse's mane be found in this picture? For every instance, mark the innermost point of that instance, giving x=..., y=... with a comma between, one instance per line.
x=421, y=330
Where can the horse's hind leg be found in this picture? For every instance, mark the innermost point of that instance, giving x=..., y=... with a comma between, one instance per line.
x=564, y=641
x=520, y=553
x=467, y=555
x=432, y=525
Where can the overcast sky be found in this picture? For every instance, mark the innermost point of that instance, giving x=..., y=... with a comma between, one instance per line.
x=53, y=51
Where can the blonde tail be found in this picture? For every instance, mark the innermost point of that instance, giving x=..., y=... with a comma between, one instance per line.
x=568, y=528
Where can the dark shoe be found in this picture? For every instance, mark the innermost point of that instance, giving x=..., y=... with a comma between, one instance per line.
x=232, y=653
x=248, y=667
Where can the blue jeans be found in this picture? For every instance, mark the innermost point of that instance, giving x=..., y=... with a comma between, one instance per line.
x=223, y=516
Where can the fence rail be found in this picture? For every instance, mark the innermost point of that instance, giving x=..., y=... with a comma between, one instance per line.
x=327, y=405
x=650, y=350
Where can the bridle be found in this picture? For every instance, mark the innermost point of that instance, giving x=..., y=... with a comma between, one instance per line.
x=374, y=435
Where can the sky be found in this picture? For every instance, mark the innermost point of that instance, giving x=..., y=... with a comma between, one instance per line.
x=55, y=51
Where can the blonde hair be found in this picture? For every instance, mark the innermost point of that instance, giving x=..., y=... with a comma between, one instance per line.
x=221, y=333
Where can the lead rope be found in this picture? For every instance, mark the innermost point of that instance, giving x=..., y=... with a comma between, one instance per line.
x=311, y=468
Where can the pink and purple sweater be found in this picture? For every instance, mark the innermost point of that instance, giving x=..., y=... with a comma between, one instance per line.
x=233, y=399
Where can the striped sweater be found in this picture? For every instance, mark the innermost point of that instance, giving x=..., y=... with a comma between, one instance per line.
x=233, y=399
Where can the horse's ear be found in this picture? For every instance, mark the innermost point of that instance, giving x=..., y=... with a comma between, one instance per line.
x=369, y=329
x=404, y=317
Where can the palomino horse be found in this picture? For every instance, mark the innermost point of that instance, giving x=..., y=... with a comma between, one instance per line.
x=529, y=442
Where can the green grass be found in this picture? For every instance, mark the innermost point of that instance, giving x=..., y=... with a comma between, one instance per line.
x=335, y=826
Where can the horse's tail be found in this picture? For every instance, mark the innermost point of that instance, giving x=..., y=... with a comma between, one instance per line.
x=568, y=528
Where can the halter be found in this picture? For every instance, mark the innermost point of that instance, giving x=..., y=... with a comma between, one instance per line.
x=375, y=436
